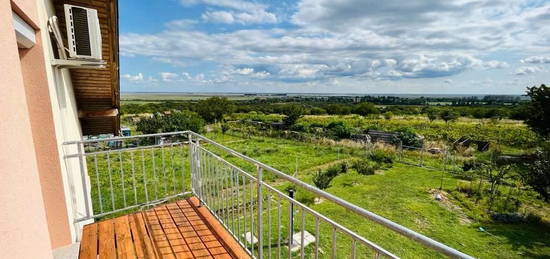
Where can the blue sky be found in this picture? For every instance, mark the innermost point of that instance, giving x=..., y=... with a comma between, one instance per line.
x=328, y=46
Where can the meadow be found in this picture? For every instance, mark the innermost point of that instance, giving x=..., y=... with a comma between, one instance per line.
x=435, y=194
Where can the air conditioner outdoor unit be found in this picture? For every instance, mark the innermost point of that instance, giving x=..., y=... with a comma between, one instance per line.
x=83, y=32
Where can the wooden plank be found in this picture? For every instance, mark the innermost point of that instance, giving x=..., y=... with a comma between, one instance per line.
x=142, y=236
x=94, y=114
x=159, y=237
x=107, y=247
x=125, y=246
x=178, y=244
x=215, y=226
x=88, y=244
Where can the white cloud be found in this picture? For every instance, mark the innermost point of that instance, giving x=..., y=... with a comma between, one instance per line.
x=259, y=16
x=536, y=60
x=218, y=17
x=168, y=76
x=233, y=4
x=526, y=70
x=494, y=64
x=242, y=12
x=138, y=77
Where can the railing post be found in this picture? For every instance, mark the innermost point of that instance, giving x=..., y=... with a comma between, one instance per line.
x=83, y=180
x=191, y=162
x=260, y=207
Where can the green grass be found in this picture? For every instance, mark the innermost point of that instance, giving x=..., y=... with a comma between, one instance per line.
x=401, y=194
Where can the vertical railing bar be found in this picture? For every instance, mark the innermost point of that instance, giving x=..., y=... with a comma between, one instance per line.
x=155, y=183
x=317, y=237
x=144, y=175
x=226, y=191
x=353, y=248
x=173, y=169
x=110, y=181
x=219, y=195
x=134, y=176
x=279, y=226
x=83, y=179
x=251, y=188
x=192, y=168
x=232, y=183
x=245, y=218
x=183, y=167
x=212, y=183
x=333, y=253
x=163, y=170
x=302, y=234
x=377, y=255
x=269, y=222
x=218, y=187
x=122, y=178
x=260, y=210
x=239, y=207
x=98, y=184
x=290, y=229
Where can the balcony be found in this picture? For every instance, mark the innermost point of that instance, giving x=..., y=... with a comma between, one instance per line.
x=182, y=195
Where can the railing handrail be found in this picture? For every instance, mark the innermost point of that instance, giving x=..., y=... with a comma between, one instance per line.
x=424, y=240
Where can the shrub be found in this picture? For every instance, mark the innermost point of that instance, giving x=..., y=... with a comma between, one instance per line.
x=322, y=180
x=365, y=167
x=338, y=130
x=177, y=121
x=409, y=138
x=380, y=156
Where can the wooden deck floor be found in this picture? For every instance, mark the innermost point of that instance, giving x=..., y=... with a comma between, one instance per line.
x=176, y=230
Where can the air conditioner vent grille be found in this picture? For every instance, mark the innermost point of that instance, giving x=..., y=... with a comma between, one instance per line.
x=81, y=32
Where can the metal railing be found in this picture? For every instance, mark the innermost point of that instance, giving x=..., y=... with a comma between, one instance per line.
x=246, y=199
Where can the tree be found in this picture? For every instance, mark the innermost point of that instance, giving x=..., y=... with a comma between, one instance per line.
x=538, y=117
x=317, y=111
x=293, y=112
x=150, y=125
x=365, y=109
x=448, y=115
x=432, y=114
x=177, y=121
x=537, y=175
x=388, y=115
x=184, y=120
x=214, y=108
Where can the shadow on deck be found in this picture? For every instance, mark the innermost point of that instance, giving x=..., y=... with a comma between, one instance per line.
x=177, y=230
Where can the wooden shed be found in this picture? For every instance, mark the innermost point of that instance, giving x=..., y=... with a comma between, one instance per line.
x=97, y=91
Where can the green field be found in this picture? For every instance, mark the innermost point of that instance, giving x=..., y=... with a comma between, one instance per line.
x=402, y=194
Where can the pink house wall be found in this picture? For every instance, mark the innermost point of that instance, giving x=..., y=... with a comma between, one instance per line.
x=33, y=216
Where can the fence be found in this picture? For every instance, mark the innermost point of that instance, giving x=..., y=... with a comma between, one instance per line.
x=128, y=173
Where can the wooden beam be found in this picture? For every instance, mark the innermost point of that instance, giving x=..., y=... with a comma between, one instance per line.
x=95, y=114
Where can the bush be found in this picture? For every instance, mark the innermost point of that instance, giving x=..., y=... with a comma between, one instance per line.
x=365, y=167
x=381, y=156
x=177, y=121
x=338, y=130
x=409, y=138
x=322, y=180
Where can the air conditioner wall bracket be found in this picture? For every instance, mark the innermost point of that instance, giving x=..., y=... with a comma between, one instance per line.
x=69, y=63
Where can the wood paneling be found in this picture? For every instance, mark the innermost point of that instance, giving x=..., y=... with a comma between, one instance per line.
x=98, y=89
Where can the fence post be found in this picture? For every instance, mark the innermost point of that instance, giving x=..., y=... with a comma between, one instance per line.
x=260, y=207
